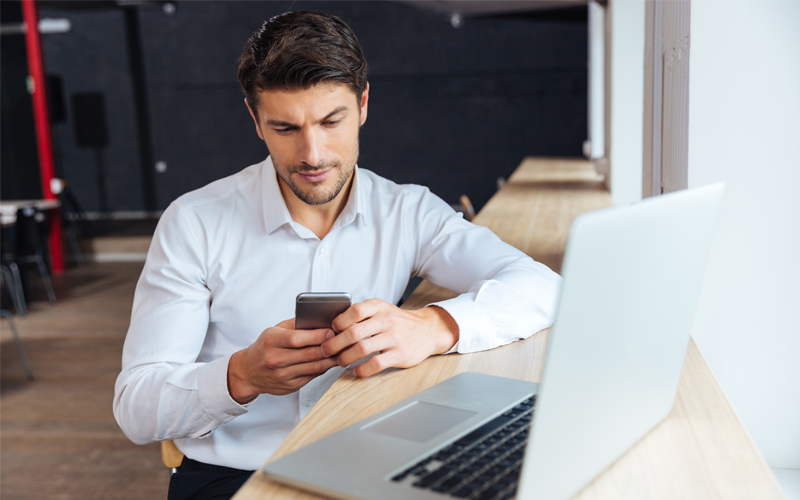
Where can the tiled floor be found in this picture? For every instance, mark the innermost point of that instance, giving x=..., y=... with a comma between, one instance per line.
x=789, y=480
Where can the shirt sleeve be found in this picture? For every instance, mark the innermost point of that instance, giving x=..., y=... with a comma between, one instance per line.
x=505, y=295
x=162, y=391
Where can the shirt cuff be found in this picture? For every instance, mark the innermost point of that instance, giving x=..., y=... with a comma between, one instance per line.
x=213, y=392
x=475, y=331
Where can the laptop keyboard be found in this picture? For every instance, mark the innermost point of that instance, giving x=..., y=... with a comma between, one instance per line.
x=484, y=464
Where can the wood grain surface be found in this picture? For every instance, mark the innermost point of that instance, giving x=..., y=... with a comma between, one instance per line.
x=58, y=433
x=700, y=451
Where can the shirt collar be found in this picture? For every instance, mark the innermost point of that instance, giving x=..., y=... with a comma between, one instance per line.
x=276, y=214
x=356, y=203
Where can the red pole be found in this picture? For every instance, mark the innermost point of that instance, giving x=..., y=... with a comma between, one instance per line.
x=42, y=121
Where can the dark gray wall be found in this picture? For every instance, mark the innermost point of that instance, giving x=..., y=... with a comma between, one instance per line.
x=92, y=57
x=19, y=157
x=449, y=108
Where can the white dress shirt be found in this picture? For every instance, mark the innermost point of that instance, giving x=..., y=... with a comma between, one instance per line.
x=227, y=262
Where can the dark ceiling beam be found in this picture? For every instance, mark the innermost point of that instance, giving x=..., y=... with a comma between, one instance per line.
x=84, y=5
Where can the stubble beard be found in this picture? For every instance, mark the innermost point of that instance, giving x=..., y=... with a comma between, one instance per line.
x=318, y=196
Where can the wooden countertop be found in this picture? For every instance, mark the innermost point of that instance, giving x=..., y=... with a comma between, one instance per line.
x=700, y=451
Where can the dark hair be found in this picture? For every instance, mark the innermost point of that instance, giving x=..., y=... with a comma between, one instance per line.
x=297, y=50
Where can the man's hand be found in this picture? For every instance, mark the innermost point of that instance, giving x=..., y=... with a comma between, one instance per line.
x=402, y=338
x=280, y=362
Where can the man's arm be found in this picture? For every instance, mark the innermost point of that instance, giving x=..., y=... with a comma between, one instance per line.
x=162, y=391
x=505, y=296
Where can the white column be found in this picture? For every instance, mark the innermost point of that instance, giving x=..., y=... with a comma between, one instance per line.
x=627, y=99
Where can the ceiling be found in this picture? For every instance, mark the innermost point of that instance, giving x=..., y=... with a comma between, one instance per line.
x=474, y=8
x=101, y=4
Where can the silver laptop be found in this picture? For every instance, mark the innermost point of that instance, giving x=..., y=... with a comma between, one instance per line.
x=632, y=277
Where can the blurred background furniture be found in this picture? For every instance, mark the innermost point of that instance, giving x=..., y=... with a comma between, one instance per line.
x=9, y=208
x=24, y=234
x=13, y=283
x=18, y=343
x=171, y=455
x=31, y=228
x=466, y=207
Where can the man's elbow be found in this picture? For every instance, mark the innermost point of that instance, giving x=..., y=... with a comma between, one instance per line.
x=129, y=421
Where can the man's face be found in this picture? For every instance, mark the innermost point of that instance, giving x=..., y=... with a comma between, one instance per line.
x=312, y=136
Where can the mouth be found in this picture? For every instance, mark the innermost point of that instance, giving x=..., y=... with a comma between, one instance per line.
x=315, y=176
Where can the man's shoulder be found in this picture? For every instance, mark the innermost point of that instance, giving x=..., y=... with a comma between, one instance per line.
x=384, y=189
x=386, y=196
x=245, y=183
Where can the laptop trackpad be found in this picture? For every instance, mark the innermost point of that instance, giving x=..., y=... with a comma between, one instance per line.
x=419, y=421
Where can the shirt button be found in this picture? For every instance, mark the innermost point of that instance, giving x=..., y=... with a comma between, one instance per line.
x=321, y=251
x=307, y=403
x=230, y=413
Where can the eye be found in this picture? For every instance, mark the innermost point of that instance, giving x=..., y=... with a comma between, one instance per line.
x=284, y=130
x=331, y=123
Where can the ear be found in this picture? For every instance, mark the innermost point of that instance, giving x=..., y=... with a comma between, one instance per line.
x=364, y=102
x=255, y=120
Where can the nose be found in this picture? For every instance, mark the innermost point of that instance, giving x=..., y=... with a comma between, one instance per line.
x=312, y=150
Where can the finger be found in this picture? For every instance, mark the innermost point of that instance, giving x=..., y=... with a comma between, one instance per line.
x=378, y=342
x=296, y=339
x=287, y=324
x=313, y=368
x=277, y=358
x=353, y=334
x=356, y=313
x=388, y=359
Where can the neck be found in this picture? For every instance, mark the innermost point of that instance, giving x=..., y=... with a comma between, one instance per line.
x=318, y=218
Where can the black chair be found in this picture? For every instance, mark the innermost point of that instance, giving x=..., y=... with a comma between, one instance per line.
x=18, y=342
x=9, y=272
x=29, y=245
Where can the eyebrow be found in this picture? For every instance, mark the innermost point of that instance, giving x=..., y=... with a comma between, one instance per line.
x=279, y=123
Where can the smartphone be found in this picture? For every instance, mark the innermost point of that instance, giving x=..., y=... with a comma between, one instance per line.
x=318, y=310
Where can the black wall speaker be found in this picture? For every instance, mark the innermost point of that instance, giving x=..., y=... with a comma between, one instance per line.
x=89, y=111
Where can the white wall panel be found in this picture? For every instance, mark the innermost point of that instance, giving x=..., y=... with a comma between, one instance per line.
x=744, y=129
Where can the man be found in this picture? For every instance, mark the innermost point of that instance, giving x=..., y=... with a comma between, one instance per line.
x=229, y=259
